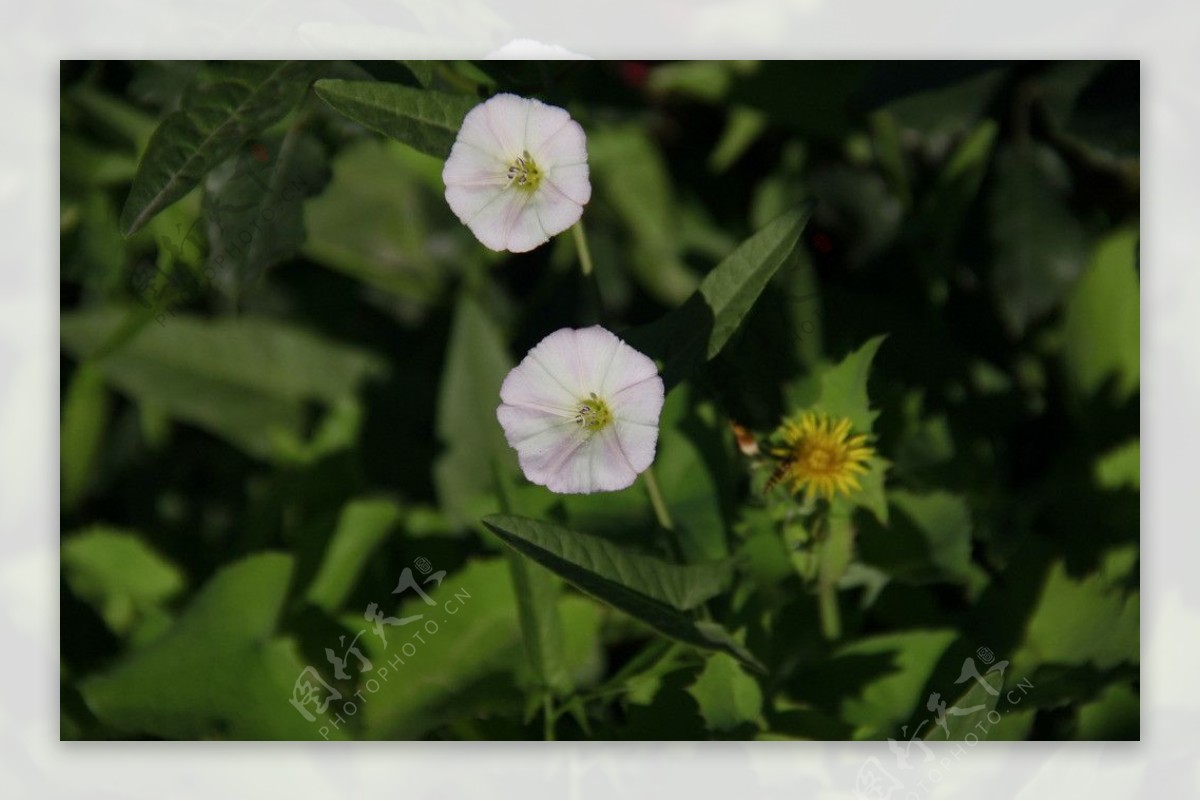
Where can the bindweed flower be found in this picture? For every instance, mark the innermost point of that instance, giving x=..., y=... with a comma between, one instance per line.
x=581, y=410
x=518, y=172
x=819, y=456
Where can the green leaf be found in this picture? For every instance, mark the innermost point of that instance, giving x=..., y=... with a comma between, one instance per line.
x=119, y=575
x=352, y=226
x=727, y=695
x=420, y=118
x=971, y=709
x=1115, y=715
x=879, y=703
x=85, y=417
x=1039, y=244
x=632, y=175
x=930, y=540
x=1120, y=467
x=844, y=388
x=253, y=207
x=647, y=588
x=220, y=672
x=1101, y=334
x=698, y=330
x=476, y=363
x=228, y=104
x=680, y=586
x=361, y=527
x=462, y=670
x=1091, y=620
x=245, y=379
x=537, y=591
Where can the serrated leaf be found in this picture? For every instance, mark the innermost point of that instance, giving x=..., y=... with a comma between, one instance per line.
x=728, y=697
x=844, y=387
x=220, y=672
x=253, y=207
x=653, y=591
x=118, y=574
x=698, y=330
x=420, y=118
x=245, y=379
x=228, y=104
x=1090, y=620
x=362, y=526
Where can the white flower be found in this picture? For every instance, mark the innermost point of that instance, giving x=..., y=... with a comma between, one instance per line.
x=518, y=172
x=581, y=410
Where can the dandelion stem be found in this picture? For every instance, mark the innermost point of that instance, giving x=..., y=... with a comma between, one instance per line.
x=581, y=245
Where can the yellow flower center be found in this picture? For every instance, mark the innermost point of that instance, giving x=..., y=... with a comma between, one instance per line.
x=593, y=414
x=819, y=456
x=524, y=173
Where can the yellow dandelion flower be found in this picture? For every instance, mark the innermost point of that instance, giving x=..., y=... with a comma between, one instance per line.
x=819, y=456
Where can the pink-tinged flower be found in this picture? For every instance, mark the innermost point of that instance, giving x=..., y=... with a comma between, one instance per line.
x=581, y=410
x=518, y=172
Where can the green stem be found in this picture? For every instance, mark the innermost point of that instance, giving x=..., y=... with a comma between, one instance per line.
x=581, y=245
x=831, y=620
x=656, y=500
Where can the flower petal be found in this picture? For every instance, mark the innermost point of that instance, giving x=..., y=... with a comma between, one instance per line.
x=531, y=385
x=628, y=367
x=599, y=465
x=506, y=221
x=555, y=211
x=497, y=126
x=467, y=165
x=640, y=402
x=638, y=443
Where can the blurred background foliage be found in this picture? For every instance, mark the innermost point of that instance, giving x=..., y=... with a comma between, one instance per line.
x=279, y=390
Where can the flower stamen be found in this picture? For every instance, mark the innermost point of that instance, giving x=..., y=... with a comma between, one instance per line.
x=593, y=414
x=524, y=173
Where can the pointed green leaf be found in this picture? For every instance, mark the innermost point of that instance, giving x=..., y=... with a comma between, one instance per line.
x=653, y=591
x=698, y=330
x=727, y=695
x=228, y=104
x=253, y=207
x=421, y=118
x=680, y=586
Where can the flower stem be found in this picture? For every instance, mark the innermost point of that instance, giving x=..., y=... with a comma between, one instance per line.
x=656, y=500
x=581, y=245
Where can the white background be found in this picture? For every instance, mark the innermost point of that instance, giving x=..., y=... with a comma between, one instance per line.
x=35, y=35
